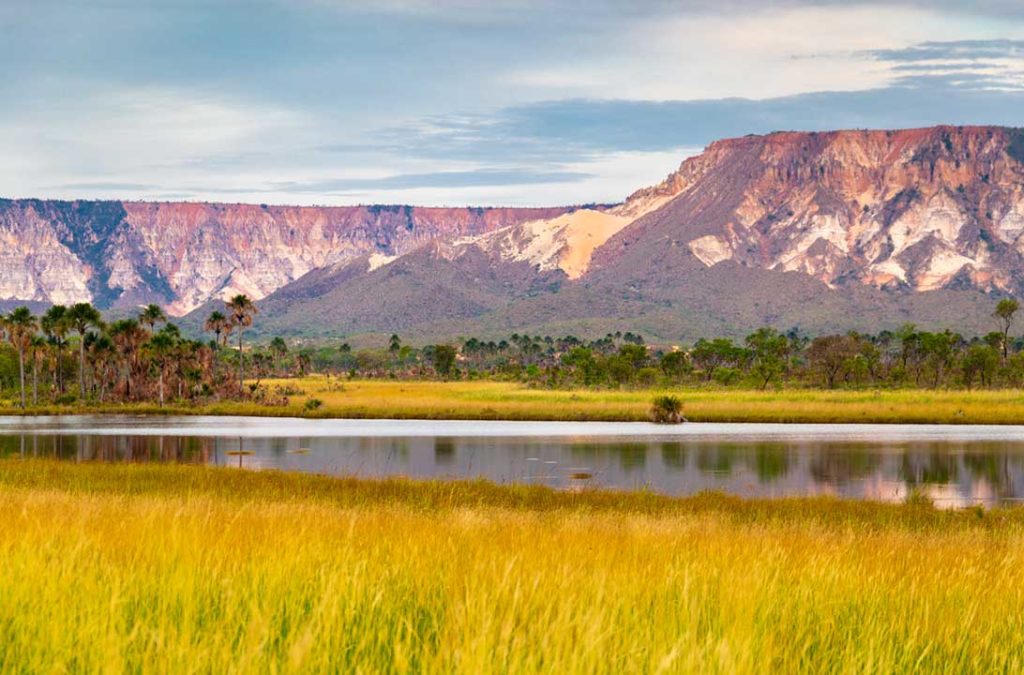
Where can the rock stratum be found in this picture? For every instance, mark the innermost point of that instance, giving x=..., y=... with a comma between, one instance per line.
x=822, y=231
x=181, y=255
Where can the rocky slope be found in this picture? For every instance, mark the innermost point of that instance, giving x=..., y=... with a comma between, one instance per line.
x=850, y=229
x=120, y=254
x=918, y=209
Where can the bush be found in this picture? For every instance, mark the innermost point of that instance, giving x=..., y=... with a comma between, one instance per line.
x=312, y=404
x=667, y=410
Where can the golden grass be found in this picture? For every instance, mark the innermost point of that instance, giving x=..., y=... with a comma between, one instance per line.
x=504, y=400
x=173, y=569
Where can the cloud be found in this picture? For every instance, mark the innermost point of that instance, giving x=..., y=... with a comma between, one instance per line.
x=441, y=179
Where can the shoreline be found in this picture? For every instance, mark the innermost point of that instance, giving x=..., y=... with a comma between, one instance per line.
x=487, y=400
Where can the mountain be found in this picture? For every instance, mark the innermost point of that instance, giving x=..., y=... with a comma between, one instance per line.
x=821, y=231
x=181, y=255
x=824, y=231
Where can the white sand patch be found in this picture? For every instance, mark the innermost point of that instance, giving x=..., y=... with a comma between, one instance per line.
x=568, y=242
x=941, y=268
x=710, y=249
x=378, y=260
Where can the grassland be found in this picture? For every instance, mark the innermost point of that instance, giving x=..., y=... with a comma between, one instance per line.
x=503, y=400
x=175, y=569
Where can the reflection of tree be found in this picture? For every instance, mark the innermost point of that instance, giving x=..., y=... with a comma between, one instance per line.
x=938, y=467
x=673, y=455
x=631, y=455
x=771, y=461
x=444, y=450
x=841, y=463
x=716, y=459
x=990, y=467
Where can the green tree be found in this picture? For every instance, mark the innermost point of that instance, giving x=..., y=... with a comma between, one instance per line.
x=160, y=350
x=709, y=355
x=830, y=355
x=151, y=315
x=1005, y=311
x=241, y=310
x=128, y=336
x=443, y=358
x=218, y=324
x=21, y=327
x=769, y=350
x=980, y=360
x=394, y=344
x=83, y=317
x=55, y=326
x=279, y=348
x=675, y=365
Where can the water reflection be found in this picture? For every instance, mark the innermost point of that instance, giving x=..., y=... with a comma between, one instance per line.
x=954, y=473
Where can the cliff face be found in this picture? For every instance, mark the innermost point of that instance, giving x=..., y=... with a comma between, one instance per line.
x=182, y=254
x=918, y=209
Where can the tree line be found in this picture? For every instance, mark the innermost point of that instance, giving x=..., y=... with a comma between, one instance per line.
x=71, y=353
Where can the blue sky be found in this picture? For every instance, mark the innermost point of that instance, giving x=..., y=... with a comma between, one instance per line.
x=514, y=102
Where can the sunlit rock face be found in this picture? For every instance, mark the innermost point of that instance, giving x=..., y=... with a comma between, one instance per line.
x=920, y=209
x=183, y=254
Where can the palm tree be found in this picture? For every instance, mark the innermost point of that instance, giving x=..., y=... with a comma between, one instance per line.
x=160, y=349
x=21, y=327
x=128, y=336
x=217, y=323
x=279, y=348
x=81, y=317
x=37, y=347
x=241, y=310
x=103, y=355
x=55, y=325
x=151, y=315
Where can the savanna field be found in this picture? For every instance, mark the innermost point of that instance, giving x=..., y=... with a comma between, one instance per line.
x=187, y=569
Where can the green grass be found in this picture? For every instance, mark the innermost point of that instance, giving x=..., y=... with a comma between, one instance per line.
x=502, y=400
x=175, y=569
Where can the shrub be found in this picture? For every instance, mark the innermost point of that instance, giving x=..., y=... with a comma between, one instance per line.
x=667, y=410
x=312, y=404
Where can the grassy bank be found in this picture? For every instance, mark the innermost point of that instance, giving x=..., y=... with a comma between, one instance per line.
x=501, y=400
x=180, y=568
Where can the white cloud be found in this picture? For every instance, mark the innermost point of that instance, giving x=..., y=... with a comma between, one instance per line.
x=755, y=54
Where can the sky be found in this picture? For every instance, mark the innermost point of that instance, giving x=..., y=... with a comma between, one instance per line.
x=455, y=102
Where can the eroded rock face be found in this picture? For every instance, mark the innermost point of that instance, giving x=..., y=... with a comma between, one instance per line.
x=920, y=208
x=183, y=254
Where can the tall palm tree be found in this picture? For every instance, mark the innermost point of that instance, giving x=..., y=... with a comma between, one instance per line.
x=37, y=348
x=103, y=355
x=55, y=326
x=82, y=317
x=241, y=310
x=151, y=315
x=160, y=349
x=21, y=327
x=217, y=324
x=279, y=348
x=128, y=336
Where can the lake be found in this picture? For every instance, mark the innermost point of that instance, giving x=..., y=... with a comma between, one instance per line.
x=955, y=465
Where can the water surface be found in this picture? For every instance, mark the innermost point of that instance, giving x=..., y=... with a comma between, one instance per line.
x=955, y=465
